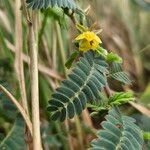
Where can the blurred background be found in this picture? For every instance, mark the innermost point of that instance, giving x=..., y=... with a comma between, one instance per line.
x=126, y=31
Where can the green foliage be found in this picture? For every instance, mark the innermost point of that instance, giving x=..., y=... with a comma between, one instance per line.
x=102, y=52
x=83, y=85
x=15, y=138
x=70, y=60
x=7, y=109
x=57, y=14
x=146, y=135
x=143, y=122
x=38, y=4
x=47, y=138
x=121, y=98
x=118, y=74
x=143, y=3
x=112, y=57
x=119, y=133
x=117, y=99
x=81, y=28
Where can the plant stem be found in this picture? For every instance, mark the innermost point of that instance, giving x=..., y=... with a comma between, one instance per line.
x=42, y=27
x=79, y=132
x=16, y=103
x=34, y=89
x=32, y=39
x=54, y=48
x=18, y=55
x=107, y=91
x=86, y=118
x=34, y=82
x=61, y=136
x=68, y=135
x=61, y=46
x=34, y=79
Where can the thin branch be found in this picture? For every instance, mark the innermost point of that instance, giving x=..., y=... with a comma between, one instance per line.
x=54, y=48
x=61, y=46
x=16, y=103
x=18, y=55
x=32, y=39
x=108, y=91
x=140, y=108
x=27, y=14
x=79, y=132
x=68, y=135
x=87, y=119
x=34, y=87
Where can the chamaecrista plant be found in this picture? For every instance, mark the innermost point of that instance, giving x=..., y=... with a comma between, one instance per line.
x=91, y=66
x=86, y=86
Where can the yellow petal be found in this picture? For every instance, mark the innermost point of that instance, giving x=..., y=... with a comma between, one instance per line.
x=96, y=38
x=88, y=40
x=80, y=37
x=89, y=36
x=84, y=45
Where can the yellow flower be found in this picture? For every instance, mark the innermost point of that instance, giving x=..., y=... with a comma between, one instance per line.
x=88, y=40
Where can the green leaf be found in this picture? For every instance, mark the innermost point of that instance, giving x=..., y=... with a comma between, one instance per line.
x=121, y=98
x=38, y=4
x=146, y=135
x=48, y=138
x=15, y=138
x=81, y=28
x=143, y=122
x=105, y=104
x=102, y=52
x=119, y=133
x=70, y=60
x=57, y=14
x=119, y=75
x=82, y=85
x=111, y=57
x=143, y=3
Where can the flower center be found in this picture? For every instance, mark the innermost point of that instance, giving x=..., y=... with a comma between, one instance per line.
x=91, y=42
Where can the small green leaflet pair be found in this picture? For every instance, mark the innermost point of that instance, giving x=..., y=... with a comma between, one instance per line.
x=116, y=99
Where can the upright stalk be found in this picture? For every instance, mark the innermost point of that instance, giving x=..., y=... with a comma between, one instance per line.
x=61, y=46
x=79, y=132
x=18, y=55
x=32, y=42
x=34, y=89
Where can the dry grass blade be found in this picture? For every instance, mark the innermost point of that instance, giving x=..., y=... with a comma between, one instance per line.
x=5, y=21
x=43, y=69
x=18, y=55
x=141, y=108
x=20, y=108
x=34, y=89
